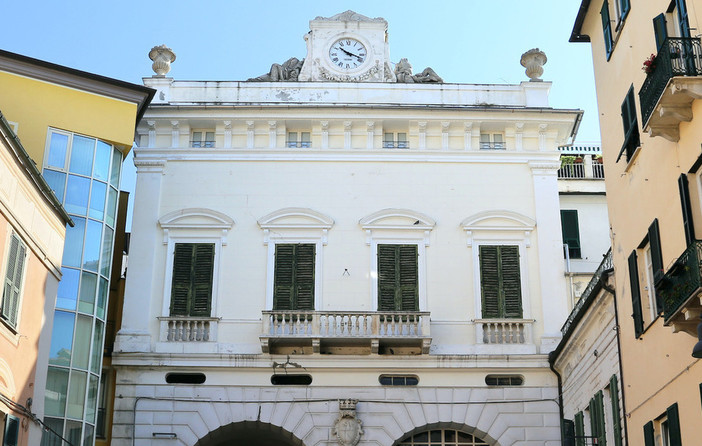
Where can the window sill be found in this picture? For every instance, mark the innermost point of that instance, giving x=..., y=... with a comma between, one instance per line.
x=9, y=332
x=651, y=324
x=630, y=162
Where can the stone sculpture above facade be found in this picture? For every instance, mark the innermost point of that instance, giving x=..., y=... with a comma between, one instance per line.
x=403, y=73
x=288, y=71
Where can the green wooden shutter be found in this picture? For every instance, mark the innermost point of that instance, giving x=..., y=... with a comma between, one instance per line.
x=511, y=281
x=500, y=282
x=571, y=232
x=304, y=277
x=568, y=432
x=11, y=436
x=579, y=429
x=398, y=278
x=597, y=422
x=654, y=241
x=649, y=438
x=660, y=30
x=685, y=203
x=683, y=18
x=191, y=287
x=635, y=294
x=203, y=267
x=13, y=280
x=490, y=281
x=607, y=29
x=616, y=419
x=293, y=286
x=625, y=6
x=674, y=425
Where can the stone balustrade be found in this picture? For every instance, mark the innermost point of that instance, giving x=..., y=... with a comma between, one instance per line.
x=346, y=327
x=188, y=329
x=504, y=331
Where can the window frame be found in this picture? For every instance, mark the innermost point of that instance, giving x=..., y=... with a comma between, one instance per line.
x=295, y=226
x=203, y=143
x=500, y=275
x=191, y=284
x=395, y=286
x=276, y=246
x=491, y=142
x=193, y=225
x=299, y=141
x=395, y=142
x=576, y=231
x=23, y=251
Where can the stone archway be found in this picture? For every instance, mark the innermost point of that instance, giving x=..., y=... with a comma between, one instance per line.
x=249, y=433
x=445, y=434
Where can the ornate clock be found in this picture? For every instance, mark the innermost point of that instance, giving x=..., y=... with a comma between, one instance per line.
x=347, y=54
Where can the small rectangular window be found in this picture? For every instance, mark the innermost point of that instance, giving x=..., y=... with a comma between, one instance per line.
x=203, y=138
x=298, y=139
x=395, y=141
x=492, y=141
x=398, y=380
x=12, y=285
x=504, y=380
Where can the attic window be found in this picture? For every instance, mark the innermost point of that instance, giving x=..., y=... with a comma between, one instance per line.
x=398, y=380
x=504, y=380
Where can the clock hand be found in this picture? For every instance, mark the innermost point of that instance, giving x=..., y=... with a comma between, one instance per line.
x=351, y=54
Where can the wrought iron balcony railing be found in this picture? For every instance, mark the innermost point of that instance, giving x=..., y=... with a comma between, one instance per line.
x=682, y=281
x=592, y=287
x=298, y=144
x=395, y=144
x=677, y=57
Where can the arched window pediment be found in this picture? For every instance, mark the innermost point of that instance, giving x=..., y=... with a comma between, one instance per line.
x=505, y=223
x=200, y=219
x=401, y=220
x=295, y=221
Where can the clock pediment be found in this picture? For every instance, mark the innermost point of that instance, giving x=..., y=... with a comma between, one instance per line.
x=350, y=16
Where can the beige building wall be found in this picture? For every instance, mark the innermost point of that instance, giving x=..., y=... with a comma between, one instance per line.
x=26, y=214
x=658, y=368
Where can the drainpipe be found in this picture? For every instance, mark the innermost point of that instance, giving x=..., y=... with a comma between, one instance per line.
x=551, y=360
x=603, y=281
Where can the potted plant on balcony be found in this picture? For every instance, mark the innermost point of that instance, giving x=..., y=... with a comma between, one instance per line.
x=578, y=159
x=649, y=65
x=567, y=160
x=598, y=159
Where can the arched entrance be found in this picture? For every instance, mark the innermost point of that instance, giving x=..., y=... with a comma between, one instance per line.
x=249, y=433
x=445, y=434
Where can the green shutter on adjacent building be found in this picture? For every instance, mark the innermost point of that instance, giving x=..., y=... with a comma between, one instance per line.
x=686, y=205
x=293, y=286
x=597, y=419
x=191, y=289
x=12, y=285
x=616, y=419
x=500, y=282
x=649, y=438
x=398, y=278
x=635, y=294
x=674, y=425
x=579, y=420
x=571, y=232
x=607, y=28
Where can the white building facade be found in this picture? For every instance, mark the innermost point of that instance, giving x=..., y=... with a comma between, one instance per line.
x=330, y=255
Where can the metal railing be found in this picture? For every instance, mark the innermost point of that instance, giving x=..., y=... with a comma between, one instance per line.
x=572, y=171
x=598, y=170
x=492, y=146
x=681, y=280
x=396, y=144
x=298, y=144
x=605, y=265
x=202, y=144
x=581, y=149
x=678, y=56
x=345, y=324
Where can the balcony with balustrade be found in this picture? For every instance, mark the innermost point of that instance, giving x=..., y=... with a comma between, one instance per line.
x=681, y=291
x=673, y=82
x=345, y=332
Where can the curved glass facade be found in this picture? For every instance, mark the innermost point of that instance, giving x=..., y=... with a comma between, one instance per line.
x=84, y=173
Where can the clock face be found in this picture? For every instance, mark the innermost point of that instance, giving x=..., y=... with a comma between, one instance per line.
x=347, y=54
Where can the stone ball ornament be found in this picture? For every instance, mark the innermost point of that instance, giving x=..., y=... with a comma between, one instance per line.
x=534, y=61
x=162, y=57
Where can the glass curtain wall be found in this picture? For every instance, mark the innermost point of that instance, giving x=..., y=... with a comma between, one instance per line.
x=85, y=174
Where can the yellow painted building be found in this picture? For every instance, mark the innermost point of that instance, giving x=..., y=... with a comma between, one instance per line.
x=648, y=71
x=77, y=127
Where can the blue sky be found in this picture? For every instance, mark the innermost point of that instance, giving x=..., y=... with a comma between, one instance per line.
x=468, y=41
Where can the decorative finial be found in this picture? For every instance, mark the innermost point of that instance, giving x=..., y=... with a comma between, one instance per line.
x=534, y=60
x=162, y=57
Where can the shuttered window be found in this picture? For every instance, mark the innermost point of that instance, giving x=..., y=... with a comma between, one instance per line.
x=624, y=6
x=674, y=425
x=616, y=420
x=293, y=286
x=398, y=278
x=607, y=29
x=649, y=437
x=571, y=232
x=686, y=205
x=579, y=420
x=631, y=126
x=597, y=419
x=500, y=282
x=191, y=289
x=635, y=294
x=12, y=285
